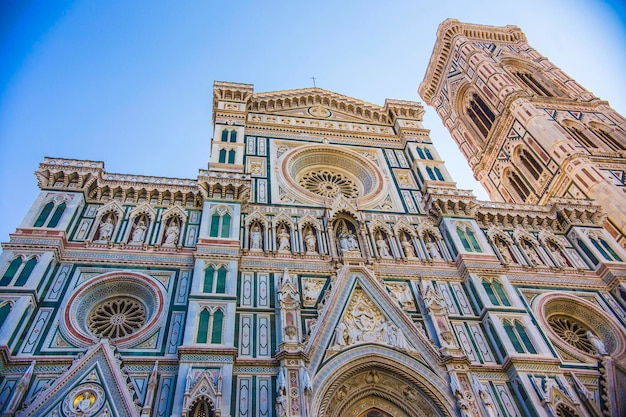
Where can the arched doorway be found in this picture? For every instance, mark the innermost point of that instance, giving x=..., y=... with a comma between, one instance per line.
x=374, y=381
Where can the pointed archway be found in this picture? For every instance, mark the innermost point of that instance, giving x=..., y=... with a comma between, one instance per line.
x=374, y=378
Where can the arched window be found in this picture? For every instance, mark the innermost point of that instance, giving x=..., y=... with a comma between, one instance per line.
x=43, y=216
x=529, y=81
x=420, y=153
x=26, y=271
x=530, y=163
x=587, y=252
x=231, y=156
x=438, y=174
x=4, y=313
x=431, y=175
x=613, y=143
x=57, y=215
x=220, y=288
x=428, y=154
x=222, y=156
x=519, y=338
x=216, y=331
x=496, y=293
x=224, y=135
x=11, y=271
x=481, y=115
x=518, y=185
x=581, y=137
x=604, y=248
x=209, y=274
x=468, y=239
x=203, y=326
x=233, y=136
x=220, y=224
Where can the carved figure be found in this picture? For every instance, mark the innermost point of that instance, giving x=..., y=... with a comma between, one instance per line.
x=171, y=234
x=85, y=403
x=383, y=249
x=598, y=344
x=433, y=249
x=283, y=241
x=310, y=241
x=532, y=253
x=255, y=238
x=106, y=230
x=503, y=248
x=340, y=335
x=407, y=247
x=347, y=240
x=139, y=233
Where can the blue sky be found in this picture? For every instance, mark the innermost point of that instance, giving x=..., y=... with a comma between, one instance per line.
x=130, y=82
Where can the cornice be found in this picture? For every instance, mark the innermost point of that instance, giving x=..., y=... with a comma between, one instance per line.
x=448, y=33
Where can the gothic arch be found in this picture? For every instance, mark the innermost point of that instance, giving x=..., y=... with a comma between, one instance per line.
x=365, y=373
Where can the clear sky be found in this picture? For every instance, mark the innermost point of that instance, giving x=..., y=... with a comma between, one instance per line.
x=130, y=82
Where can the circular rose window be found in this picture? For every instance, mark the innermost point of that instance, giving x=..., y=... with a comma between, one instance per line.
x=314, y=173
x=118, y=317
x=124, y=307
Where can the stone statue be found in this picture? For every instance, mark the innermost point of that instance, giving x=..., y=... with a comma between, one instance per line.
x=532, y=254
x=171, y=234
x=340, y=335
x=503, y=248
x=598, y=344
x=433, y=249
x=106, y=230
x=139, y=233
x=255, y=238
x=556, y=253
x=85, y=403
x=310, y=241
x=347, y=240
x=284, y=244
x=383, y=249
x=407, y=247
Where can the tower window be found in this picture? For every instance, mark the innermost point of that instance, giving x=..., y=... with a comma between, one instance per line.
x=233, y=136
x=57, y=215
x=530, y=163
x=43, y=216
x=26, y=271
x=210, y=323
x=481, y=114
x=11, y=271
x=224, y=135
x=518, y=185
x=222, y=156
x=468, y=239
x=220, y=224
x=519, y=338
x=532, y=83
x=581, y=137
x=231, y=156
x=496, y=293
x=613, y=143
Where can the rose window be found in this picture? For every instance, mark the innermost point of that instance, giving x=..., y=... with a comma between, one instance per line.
x=118, y=317
x=329, y=184
x=572, y=332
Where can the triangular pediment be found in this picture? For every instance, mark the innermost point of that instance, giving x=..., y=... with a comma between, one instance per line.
x=360, y=310
x=317, y=103
x=94, y=385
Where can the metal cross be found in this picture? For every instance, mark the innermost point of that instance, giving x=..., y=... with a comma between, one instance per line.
x=313, y=78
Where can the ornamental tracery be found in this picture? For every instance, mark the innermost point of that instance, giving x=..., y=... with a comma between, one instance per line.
x=117, y=317
x=327, y=183
x=571, y=331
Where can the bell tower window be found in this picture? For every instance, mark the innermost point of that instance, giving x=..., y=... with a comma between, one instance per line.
x=531, y=82
x=481, y=115
x=612, y=142
x=530, y=163
x=518, y=185
x=581, y=137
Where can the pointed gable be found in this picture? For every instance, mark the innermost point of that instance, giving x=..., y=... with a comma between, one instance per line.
x=94, y=385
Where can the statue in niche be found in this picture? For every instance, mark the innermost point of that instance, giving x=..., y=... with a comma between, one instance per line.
x=381, y=244
x=284, y=244
x=598, y=344
x=347, y=240
x=402, y=294
x=407, y=247
x=139, y=233
x=531, y=252
x=433, y=248
x=557, y=254
x=172, y=233
x=310, y=241
x=504, y=250
x=84, y=404
x=105, y=231
x=255, y=238
x=311, y=290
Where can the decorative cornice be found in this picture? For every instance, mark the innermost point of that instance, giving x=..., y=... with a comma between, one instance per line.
x=447, y=34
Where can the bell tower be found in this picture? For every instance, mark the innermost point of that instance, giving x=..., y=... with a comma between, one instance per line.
x=529, y=131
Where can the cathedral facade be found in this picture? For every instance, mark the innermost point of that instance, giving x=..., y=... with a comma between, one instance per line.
x=326, y=264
